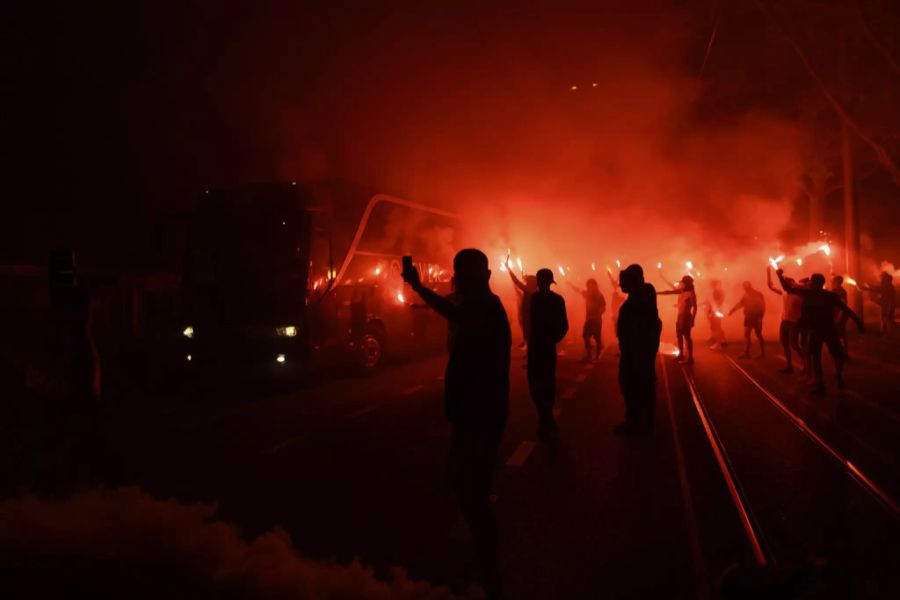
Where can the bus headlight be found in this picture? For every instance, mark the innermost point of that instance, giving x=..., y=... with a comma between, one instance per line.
x=188, y=332
x=288, y=331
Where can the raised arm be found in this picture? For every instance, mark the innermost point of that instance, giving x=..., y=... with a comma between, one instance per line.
x=769, y=281
x=790, y=288
x=613, y=280
x=576, y=288
x=515, y=279
x=438, y=303
x=668, y=292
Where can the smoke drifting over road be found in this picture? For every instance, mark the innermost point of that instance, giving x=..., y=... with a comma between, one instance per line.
x=138, y=546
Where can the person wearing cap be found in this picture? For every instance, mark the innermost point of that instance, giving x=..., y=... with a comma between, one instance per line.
x=549, y=326
x=638, y=330
x=687, y=315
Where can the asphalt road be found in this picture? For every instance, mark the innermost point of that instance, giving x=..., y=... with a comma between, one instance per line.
x=748, y=481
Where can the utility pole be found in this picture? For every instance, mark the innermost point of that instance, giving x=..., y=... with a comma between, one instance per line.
x=851, y=213
x=851, y=235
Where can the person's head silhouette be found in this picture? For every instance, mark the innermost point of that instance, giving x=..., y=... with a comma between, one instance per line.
x=544, y=279
x=748, y=286
x=592, y=286
x=631, y=279
x=837, y=281
x=470, y=272
x=817, y=281
x=687, y=283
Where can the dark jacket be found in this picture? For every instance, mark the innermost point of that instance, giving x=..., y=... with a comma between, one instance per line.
x=639, y=326
x=549, y=323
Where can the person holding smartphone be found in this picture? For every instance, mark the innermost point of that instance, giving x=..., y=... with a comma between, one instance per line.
x=476, y=395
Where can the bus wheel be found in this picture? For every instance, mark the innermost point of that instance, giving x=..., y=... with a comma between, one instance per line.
x=371, y=351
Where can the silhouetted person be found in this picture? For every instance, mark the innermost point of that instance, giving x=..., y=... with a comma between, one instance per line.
x=476, y=395
x=76, y=363
x=819, y=305
x=594, y=306
x=687, y=315
x=524, y=290
x=754, y=306
x=840, y=319
x=638, y=329
x=789, y=330
x=886, y=297
x=548, y=327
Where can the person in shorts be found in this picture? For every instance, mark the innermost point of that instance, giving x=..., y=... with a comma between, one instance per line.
x=687, y=315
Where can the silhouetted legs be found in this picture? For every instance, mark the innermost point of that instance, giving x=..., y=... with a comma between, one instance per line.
x=788, y=338
x=592, y=330
x=542, y=385
x=683, y=326
x=832, y=341
x=637, y=380
x=753, y=325
x=473, y=457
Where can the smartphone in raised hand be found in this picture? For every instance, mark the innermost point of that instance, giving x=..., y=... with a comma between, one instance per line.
x=409, y=271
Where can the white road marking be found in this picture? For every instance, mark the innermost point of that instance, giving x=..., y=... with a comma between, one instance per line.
x=521, y=454
x=279, y=447
x=412, y=390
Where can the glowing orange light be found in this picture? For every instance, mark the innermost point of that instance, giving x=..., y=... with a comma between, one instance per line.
x=659, y=265
x=519, y=264
x=826, y=249
x=377, y=270
x=850, y=280
x=799, y=262
x=573, y=88
x=689, y=265
x=593, y=266
x=773, y=263
x=400, y=298
x=720, y=314
x=618, y=264
x=561, y=270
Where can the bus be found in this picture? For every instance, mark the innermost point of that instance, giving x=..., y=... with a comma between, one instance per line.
x=289, y=278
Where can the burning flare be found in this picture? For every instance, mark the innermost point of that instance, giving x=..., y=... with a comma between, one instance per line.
x=720, y=314
x=659, y=265
x=618, y=264
x=826, y=249
x=400, y=298
x=690, y=265
x=561, y=270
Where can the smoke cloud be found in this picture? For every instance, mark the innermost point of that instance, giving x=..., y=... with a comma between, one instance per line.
x=138, y=545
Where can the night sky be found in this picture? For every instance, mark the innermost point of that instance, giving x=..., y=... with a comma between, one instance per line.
x=120, y=112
